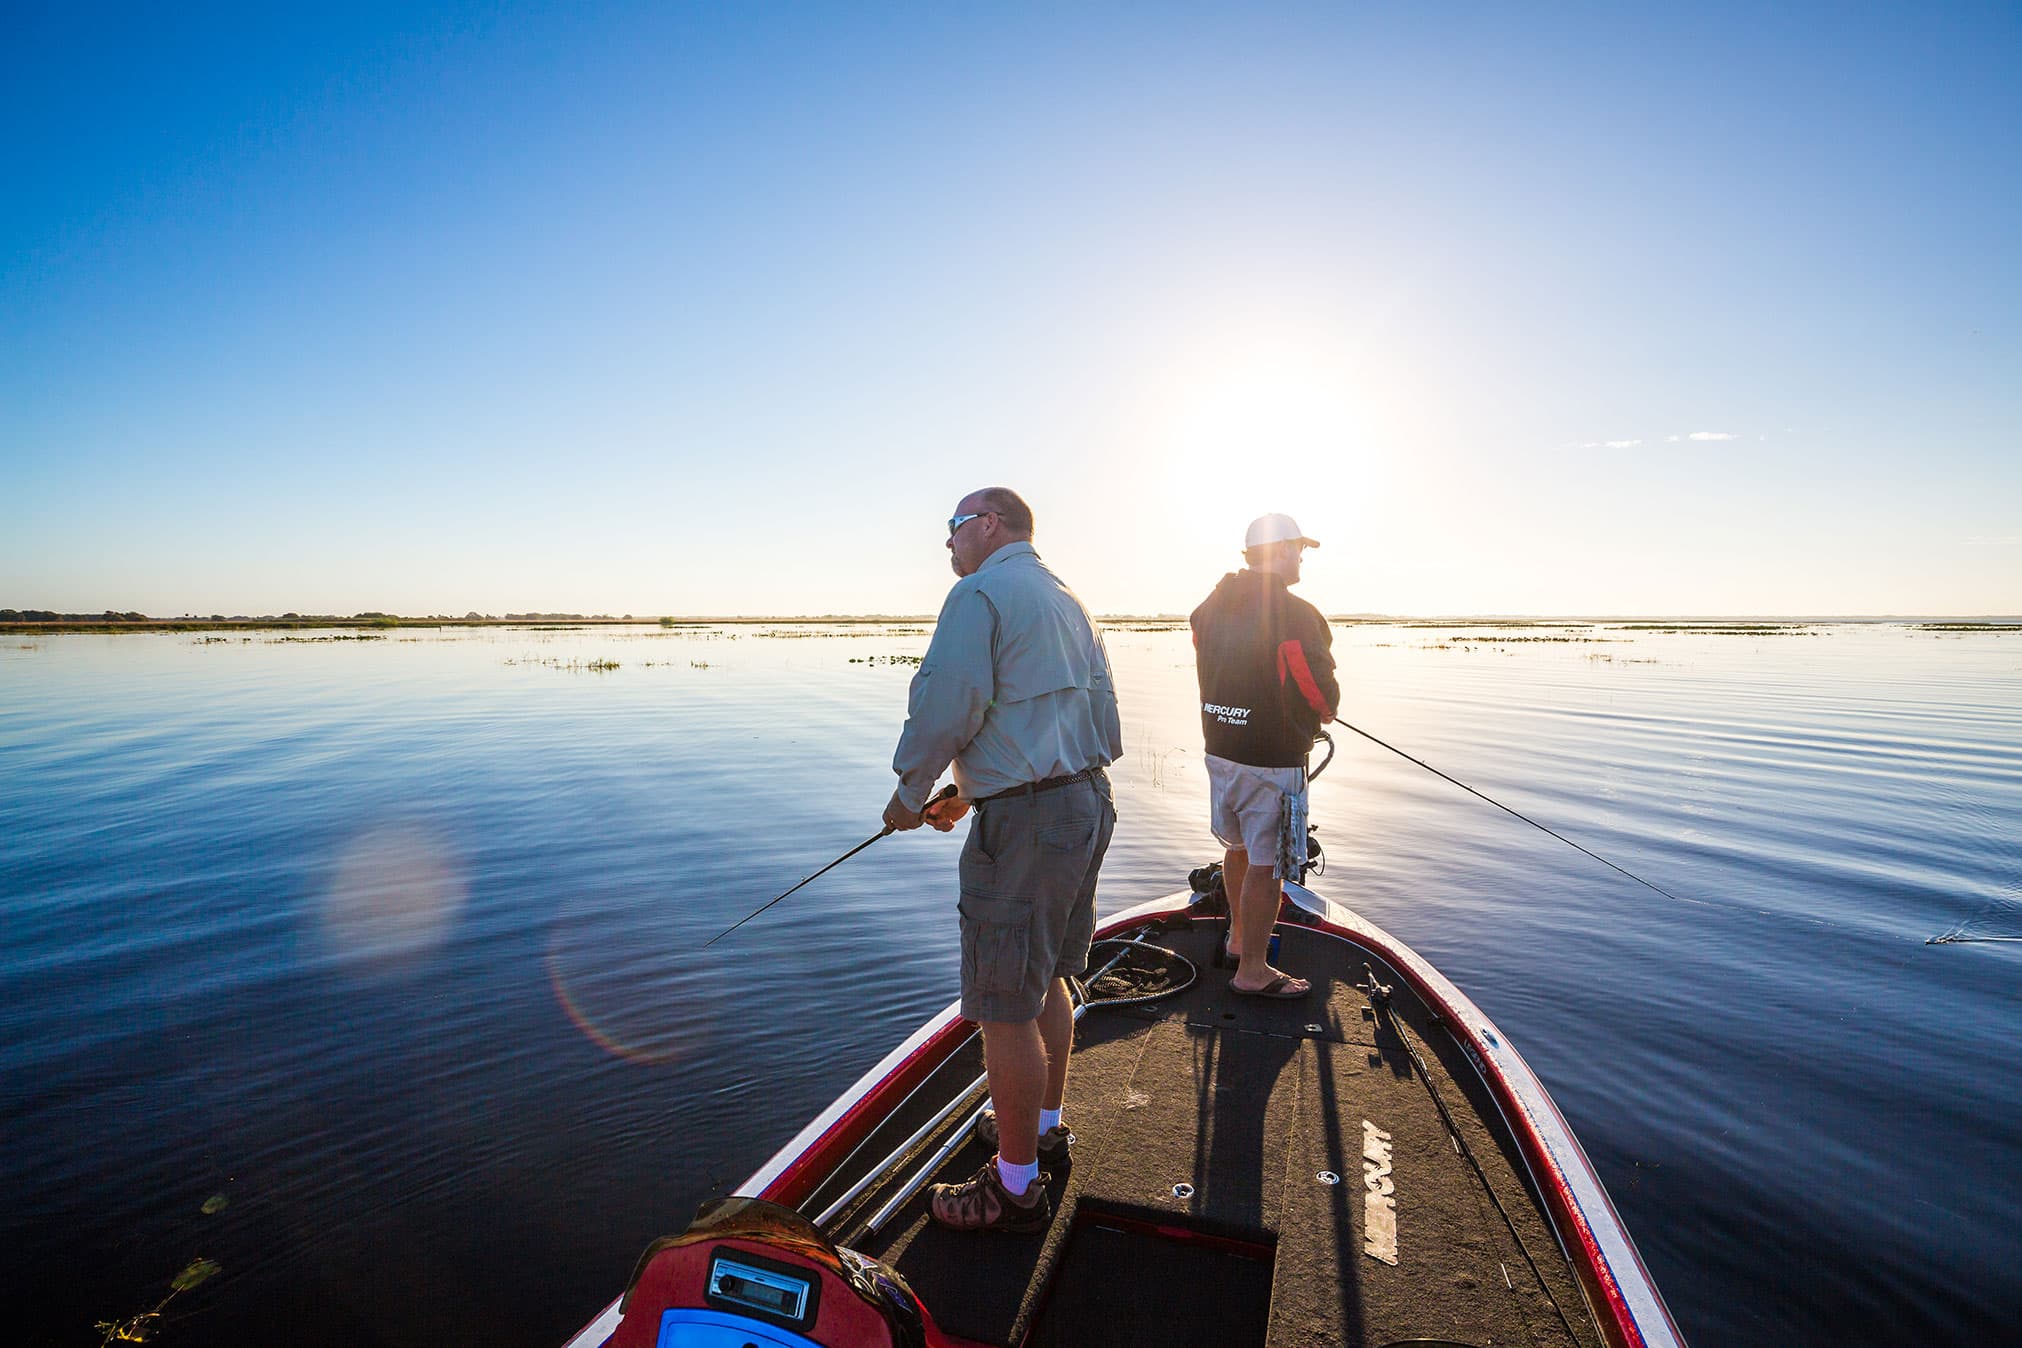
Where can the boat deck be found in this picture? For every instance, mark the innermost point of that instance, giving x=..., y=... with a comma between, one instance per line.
x=1216, y=1191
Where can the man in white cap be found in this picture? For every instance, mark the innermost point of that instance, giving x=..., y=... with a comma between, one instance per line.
x=1266, y=669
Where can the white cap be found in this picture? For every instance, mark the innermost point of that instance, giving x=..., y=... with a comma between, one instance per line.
x=1275, y=529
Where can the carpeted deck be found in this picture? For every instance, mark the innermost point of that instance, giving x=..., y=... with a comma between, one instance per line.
x=1215, y=1193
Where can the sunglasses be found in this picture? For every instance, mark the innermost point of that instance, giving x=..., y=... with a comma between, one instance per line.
x=960, y=520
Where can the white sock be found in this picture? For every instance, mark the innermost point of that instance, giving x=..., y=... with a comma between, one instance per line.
x=1017, y=1178
x=1048, y=1118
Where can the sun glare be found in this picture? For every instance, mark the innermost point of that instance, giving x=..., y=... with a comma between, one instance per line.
x=1280, y=430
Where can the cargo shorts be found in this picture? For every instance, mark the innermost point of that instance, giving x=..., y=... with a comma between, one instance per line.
x=1028, y=895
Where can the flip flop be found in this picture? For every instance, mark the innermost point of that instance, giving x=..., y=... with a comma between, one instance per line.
x=1275, y=990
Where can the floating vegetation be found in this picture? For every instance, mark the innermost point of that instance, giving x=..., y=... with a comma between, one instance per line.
x=1967, y=627
x=801, y=632
x=572, y=666
x=1175, y=626
x=1512, y=624
x=136, y=1328
x=1724, y=629
x=886, y=659
x=1561, y=640
x=214, y=1204
x=340, y=636
x=698, y=664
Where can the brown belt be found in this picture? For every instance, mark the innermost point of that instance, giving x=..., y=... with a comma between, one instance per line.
x=1034, y=788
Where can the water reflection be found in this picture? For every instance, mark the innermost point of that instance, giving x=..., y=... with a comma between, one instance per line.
x=401, y=941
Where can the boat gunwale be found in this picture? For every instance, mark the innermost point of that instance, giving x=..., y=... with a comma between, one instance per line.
x=1637, y=1314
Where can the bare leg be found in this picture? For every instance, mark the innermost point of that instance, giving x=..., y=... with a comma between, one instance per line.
x=1056, y=1031
x=1261, y=892
x=1235, y=868
x=1014, y=1056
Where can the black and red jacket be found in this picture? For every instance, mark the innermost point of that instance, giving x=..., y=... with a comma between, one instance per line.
x=1266, y=664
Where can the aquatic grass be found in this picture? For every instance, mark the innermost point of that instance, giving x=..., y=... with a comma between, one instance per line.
x=1484, y=623
x=817, y=630
x=570, y=666
x=1558, y=640
x=1157, y=762
x=1967, y=627
x=337, y=636
x=1724, y=629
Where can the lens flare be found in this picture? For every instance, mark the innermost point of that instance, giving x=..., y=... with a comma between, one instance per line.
x=632, y=1009
x=394, y=895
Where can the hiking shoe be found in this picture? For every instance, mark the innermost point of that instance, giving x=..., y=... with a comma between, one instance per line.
x=1053, y=1143
x=982, y=1203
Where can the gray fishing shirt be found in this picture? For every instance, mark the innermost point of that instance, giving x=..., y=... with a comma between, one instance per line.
x=1015, y=686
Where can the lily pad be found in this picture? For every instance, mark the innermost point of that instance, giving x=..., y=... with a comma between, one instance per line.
x=199, y=1271
x=215, y=1203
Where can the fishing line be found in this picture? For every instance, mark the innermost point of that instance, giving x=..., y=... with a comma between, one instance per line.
x=887, y=832
x=1526, y=818
x=1962, y=933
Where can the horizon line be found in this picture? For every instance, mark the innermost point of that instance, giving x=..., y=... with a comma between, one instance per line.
x=45, y=618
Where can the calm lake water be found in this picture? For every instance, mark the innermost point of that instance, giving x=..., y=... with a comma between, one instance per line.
x=393, y=946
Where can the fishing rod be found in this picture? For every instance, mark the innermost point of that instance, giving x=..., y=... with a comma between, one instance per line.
x=1507, y=810
x=943, y=794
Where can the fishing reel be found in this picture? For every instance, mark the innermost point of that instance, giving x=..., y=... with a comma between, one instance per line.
x=1316, y=859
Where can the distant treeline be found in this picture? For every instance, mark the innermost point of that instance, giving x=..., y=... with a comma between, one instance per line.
x=43, y=615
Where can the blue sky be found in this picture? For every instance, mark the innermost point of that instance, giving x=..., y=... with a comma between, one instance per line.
x=718, y=309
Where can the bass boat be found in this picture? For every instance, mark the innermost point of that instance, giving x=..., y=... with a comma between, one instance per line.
x=1373, y=1164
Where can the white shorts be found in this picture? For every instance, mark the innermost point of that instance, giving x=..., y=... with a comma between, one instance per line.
x=1246, y=809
